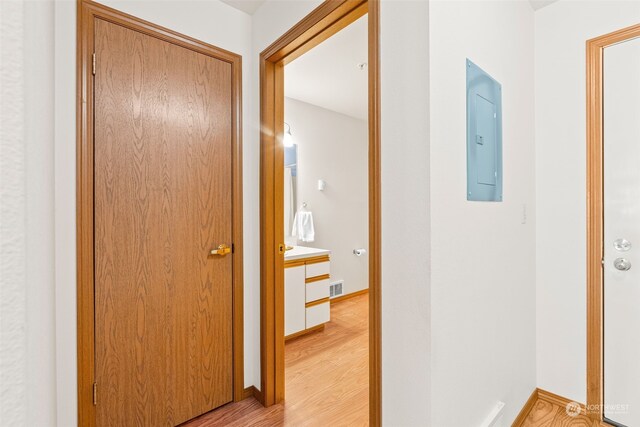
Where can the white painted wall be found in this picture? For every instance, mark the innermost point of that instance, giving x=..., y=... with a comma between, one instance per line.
x=483, y=256
x=334, y=147
x=561, y=32
x=13, y=317
x=210, y=21
x=27, y=335
x=40, y=285
x=65, y=211
x=406, y=232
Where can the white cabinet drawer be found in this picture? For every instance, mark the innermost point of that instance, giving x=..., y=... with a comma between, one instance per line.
x=294, y=300
x=317, y=290
x=318, y=314
x=318, y=269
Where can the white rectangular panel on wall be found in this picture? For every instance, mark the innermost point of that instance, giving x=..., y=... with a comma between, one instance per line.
x=484, y=136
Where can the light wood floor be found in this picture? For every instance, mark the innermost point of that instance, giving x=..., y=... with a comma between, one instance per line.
x=547, y=414
x=326, y=378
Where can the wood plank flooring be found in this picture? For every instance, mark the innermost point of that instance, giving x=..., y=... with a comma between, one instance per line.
x=547, y=414
x=326, y=377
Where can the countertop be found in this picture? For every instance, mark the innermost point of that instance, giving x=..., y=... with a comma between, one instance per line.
x=301, y=252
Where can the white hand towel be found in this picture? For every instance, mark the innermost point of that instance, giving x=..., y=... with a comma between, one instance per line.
x=303, y=226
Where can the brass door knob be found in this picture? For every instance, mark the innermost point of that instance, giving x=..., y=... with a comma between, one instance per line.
x=221, y=250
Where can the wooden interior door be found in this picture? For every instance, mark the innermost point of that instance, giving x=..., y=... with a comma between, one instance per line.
x=162, y=200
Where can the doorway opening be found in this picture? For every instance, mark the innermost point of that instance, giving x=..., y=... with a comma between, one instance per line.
x=326, y=230
x=321, y=24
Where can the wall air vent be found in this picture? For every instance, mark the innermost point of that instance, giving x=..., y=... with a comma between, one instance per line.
x=336, y=288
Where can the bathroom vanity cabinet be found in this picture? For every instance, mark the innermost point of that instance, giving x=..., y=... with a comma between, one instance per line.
x=307, y=274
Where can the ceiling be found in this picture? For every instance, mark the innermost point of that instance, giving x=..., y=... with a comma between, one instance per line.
x=250, y=6
x=539, y=4
x=328, y=75
x=247, y=6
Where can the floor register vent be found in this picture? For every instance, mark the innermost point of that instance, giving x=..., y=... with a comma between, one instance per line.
x=336, y=289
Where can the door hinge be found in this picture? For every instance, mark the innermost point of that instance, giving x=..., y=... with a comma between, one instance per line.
x=95, y=394
x=94, y=63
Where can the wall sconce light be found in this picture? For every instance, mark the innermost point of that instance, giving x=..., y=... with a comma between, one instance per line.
x=288, y=138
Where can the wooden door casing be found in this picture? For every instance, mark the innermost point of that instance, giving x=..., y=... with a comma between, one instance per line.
x=144, y=184
x=327, y=19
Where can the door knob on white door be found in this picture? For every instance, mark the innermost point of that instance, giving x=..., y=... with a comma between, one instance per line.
x=622, y=264
x=622, y=245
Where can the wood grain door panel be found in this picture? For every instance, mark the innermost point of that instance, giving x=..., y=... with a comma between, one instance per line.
x=163, y=305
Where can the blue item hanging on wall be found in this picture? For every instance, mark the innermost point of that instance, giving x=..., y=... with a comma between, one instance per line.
x=484, y=136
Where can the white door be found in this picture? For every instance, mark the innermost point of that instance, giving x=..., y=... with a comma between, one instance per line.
x=622, y=233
